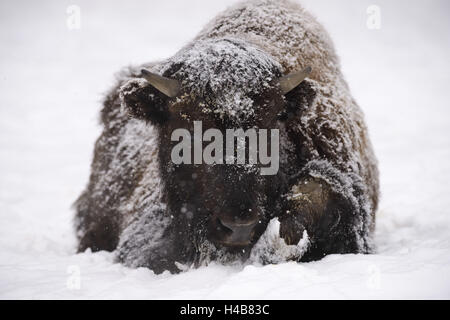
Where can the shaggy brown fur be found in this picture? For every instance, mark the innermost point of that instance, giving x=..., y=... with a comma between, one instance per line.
x=160, y=215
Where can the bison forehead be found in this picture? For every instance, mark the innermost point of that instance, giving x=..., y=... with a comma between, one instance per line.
x=226, y=73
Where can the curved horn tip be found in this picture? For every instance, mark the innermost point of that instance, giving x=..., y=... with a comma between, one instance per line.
x=167, y=86
x=292, y=80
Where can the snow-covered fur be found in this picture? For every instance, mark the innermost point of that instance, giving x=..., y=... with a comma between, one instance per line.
x=324, y=198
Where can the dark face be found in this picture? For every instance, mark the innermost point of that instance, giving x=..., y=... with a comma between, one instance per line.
x=225, y=201
x=228, y=204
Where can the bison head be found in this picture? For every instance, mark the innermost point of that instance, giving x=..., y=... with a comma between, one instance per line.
x=225, y=84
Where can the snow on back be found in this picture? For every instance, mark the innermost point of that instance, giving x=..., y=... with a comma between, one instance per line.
x=283, y=29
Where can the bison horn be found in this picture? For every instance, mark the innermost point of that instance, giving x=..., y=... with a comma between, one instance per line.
x=292, y=80
x=169, y=87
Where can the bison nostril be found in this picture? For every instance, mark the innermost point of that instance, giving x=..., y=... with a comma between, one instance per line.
x=238, y=225
x=240, y=232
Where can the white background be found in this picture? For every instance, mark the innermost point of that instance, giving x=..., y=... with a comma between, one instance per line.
x=52, y=81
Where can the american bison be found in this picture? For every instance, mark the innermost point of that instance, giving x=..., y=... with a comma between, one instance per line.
x=260, y=64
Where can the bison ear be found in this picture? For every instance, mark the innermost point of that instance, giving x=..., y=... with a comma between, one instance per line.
x=143, y=101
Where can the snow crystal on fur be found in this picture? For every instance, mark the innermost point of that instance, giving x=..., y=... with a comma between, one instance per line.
x=271, y=248
x=225, y=72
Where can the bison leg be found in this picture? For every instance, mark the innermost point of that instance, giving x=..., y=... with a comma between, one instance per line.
x=332, y=208
x=155, y=241
x=94, y=230
x=306, y=204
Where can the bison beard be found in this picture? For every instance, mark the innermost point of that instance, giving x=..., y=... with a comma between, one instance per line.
x=244, y=70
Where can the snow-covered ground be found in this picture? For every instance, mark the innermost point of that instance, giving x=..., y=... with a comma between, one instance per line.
x=51, y=84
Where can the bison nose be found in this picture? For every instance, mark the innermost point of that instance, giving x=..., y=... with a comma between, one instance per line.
x=241, y=231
